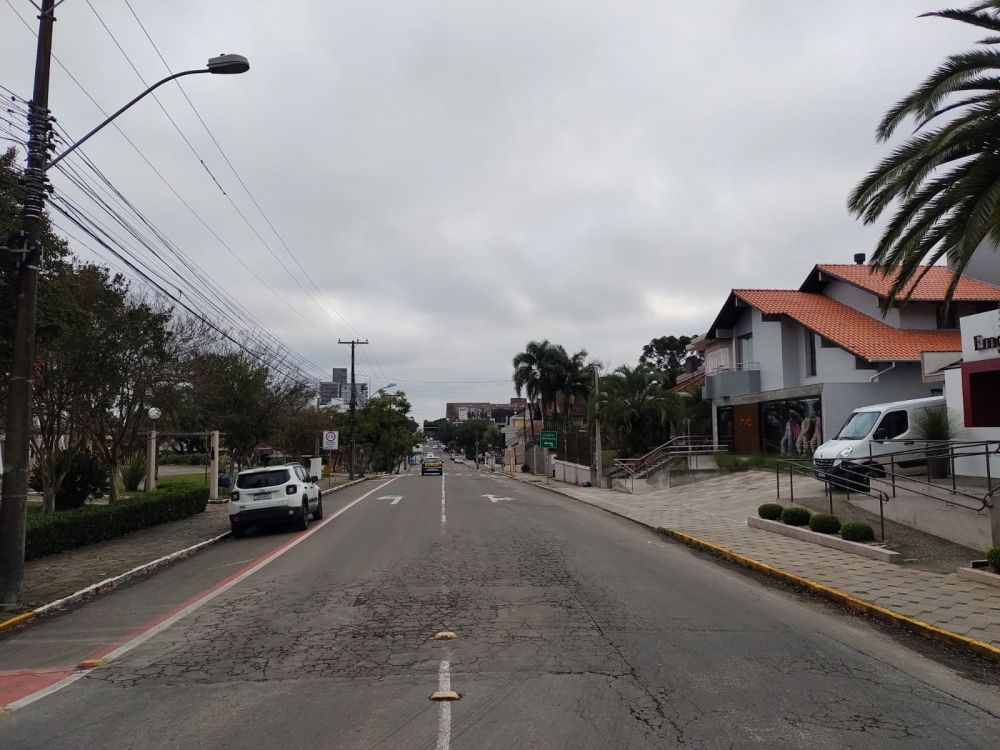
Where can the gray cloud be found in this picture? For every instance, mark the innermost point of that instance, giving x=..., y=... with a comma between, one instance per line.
x=460, y=177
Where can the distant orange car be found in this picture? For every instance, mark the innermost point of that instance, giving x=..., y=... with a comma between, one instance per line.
x=432, y=465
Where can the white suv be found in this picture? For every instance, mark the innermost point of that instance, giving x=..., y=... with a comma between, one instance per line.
x=274, y=494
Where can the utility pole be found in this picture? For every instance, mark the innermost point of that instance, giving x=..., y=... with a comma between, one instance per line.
x=14, y=502
x=354, y=402
x=598, y=463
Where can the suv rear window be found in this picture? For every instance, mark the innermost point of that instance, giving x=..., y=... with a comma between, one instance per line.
x=259, y=479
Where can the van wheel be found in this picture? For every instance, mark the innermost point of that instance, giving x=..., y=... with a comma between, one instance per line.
x=303, y=522
x=318, y=513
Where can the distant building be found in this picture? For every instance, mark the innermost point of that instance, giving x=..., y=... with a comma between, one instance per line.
x=328, y=392
x=339, y=376
x=460, y=411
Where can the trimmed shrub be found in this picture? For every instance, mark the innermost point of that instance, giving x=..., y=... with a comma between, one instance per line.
x=993, y=558
x=49, y=533
x=824, y=523
x=795, y=515
x=770, y=511
x=525, y=469
x=857, y=531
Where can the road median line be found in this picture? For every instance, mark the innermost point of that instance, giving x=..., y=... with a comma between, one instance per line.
x=841, y=597
x=108, y=585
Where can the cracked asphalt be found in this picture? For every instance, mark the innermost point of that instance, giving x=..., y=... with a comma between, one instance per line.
x=576, y=629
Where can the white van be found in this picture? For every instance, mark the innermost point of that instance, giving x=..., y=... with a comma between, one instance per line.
x=859, y=442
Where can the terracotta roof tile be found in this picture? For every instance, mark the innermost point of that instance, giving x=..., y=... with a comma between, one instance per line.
x=692, y=383
x=932, y=286
x=851, y=330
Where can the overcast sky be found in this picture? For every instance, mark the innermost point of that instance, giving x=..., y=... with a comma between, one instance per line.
x=461, y=176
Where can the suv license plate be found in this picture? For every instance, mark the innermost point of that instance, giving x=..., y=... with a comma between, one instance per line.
x=262, y=496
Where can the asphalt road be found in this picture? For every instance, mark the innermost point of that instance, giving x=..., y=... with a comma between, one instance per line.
x=575, y=629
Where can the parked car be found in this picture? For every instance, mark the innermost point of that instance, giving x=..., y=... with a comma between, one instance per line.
x=862, y=446
x=274, y=495
x=432, y=465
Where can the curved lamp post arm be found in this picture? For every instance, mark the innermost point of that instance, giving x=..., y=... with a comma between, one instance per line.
x=155, y=86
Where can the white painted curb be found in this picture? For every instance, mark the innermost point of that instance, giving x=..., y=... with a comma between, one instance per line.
x=826, y=540
x=110, y=584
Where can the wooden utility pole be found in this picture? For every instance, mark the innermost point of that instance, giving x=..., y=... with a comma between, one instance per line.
x=354, y=402
x=14, y=502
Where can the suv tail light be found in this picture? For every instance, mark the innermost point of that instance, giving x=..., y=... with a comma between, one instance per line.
x=291, y=489
x=234, y=496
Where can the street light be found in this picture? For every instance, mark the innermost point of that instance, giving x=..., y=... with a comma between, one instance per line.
x=383, y=388
x=13, y=502
x=221, y=65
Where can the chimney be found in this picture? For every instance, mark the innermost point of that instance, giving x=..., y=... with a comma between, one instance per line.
x=859, y=258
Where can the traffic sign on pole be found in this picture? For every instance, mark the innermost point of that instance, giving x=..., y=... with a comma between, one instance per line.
x=548, y=439
x=331, y=440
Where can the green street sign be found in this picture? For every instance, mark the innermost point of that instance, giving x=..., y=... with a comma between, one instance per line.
x=548, y=439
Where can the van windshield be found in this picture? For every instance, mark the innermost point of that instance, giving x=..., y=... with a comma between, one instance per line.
x=259, y=479
x=858, y=426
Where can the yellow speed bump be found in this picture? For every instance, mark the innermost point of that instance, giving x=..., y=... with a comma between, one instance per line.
x=445, y=695
x=90, y=664
x=445, y=635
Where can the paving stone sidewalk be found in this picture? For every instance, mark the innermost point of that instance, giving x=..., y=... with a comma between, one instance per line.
x=715, y=511
x=49, y=578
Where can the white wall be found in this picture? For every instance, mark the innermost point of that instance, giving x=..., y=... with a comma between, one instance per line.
x=919, y=316
x=571, y=473
x=840, y=399
x=860, y=300
x=767, y=351
x=792, y=353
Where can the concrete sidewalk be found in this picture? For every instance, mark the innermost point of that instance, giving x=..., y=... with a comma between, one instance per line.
x=715, y=512
x=49, y=578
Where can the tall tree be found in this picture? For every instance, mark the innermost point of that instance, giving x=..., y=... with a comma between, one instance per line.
x=636, y=408
x=943, y=183
x=129, y=349
x=540, y=371
x=71, y=297
x=577, y=382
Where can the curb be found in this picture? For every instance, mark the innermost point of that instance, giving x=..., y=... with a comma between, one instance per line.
x=108, y=585
x=840, y=597
x=860, y=606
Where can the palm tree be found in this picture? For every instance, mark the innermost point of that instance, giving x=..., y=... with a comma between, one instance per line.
x=944, y=182
x=528, y=376
x=577, y=381
x=635, y=406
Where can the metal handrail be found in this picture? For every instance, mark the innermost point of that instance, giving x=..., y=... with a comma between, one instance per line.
x=800, y=467
x=681, y=445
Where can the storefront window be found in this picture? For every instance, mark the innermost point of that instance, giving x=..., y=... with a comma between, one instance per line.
x=793, y=427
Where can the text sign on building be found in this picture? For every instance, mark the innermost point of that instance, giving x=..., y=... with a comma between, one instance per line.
x=548, y=439
x=981, y=336
x=331, y=440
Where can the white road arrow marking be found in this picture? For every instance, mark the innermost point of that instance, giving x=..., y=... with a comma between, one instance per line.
x=395, y=498
x=495, y=499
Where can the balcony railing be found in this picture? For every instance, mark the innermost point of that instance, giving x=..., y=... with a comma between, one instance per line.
x=735, y=380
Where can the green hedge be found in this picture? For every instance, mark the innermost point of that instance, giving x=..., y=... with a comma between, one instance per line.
x=993, y=558
x=49, y=533
x=184, y=459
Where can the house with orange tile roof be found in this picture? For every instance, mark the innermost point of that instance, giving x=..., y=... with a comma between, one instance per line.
x=785, y=367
